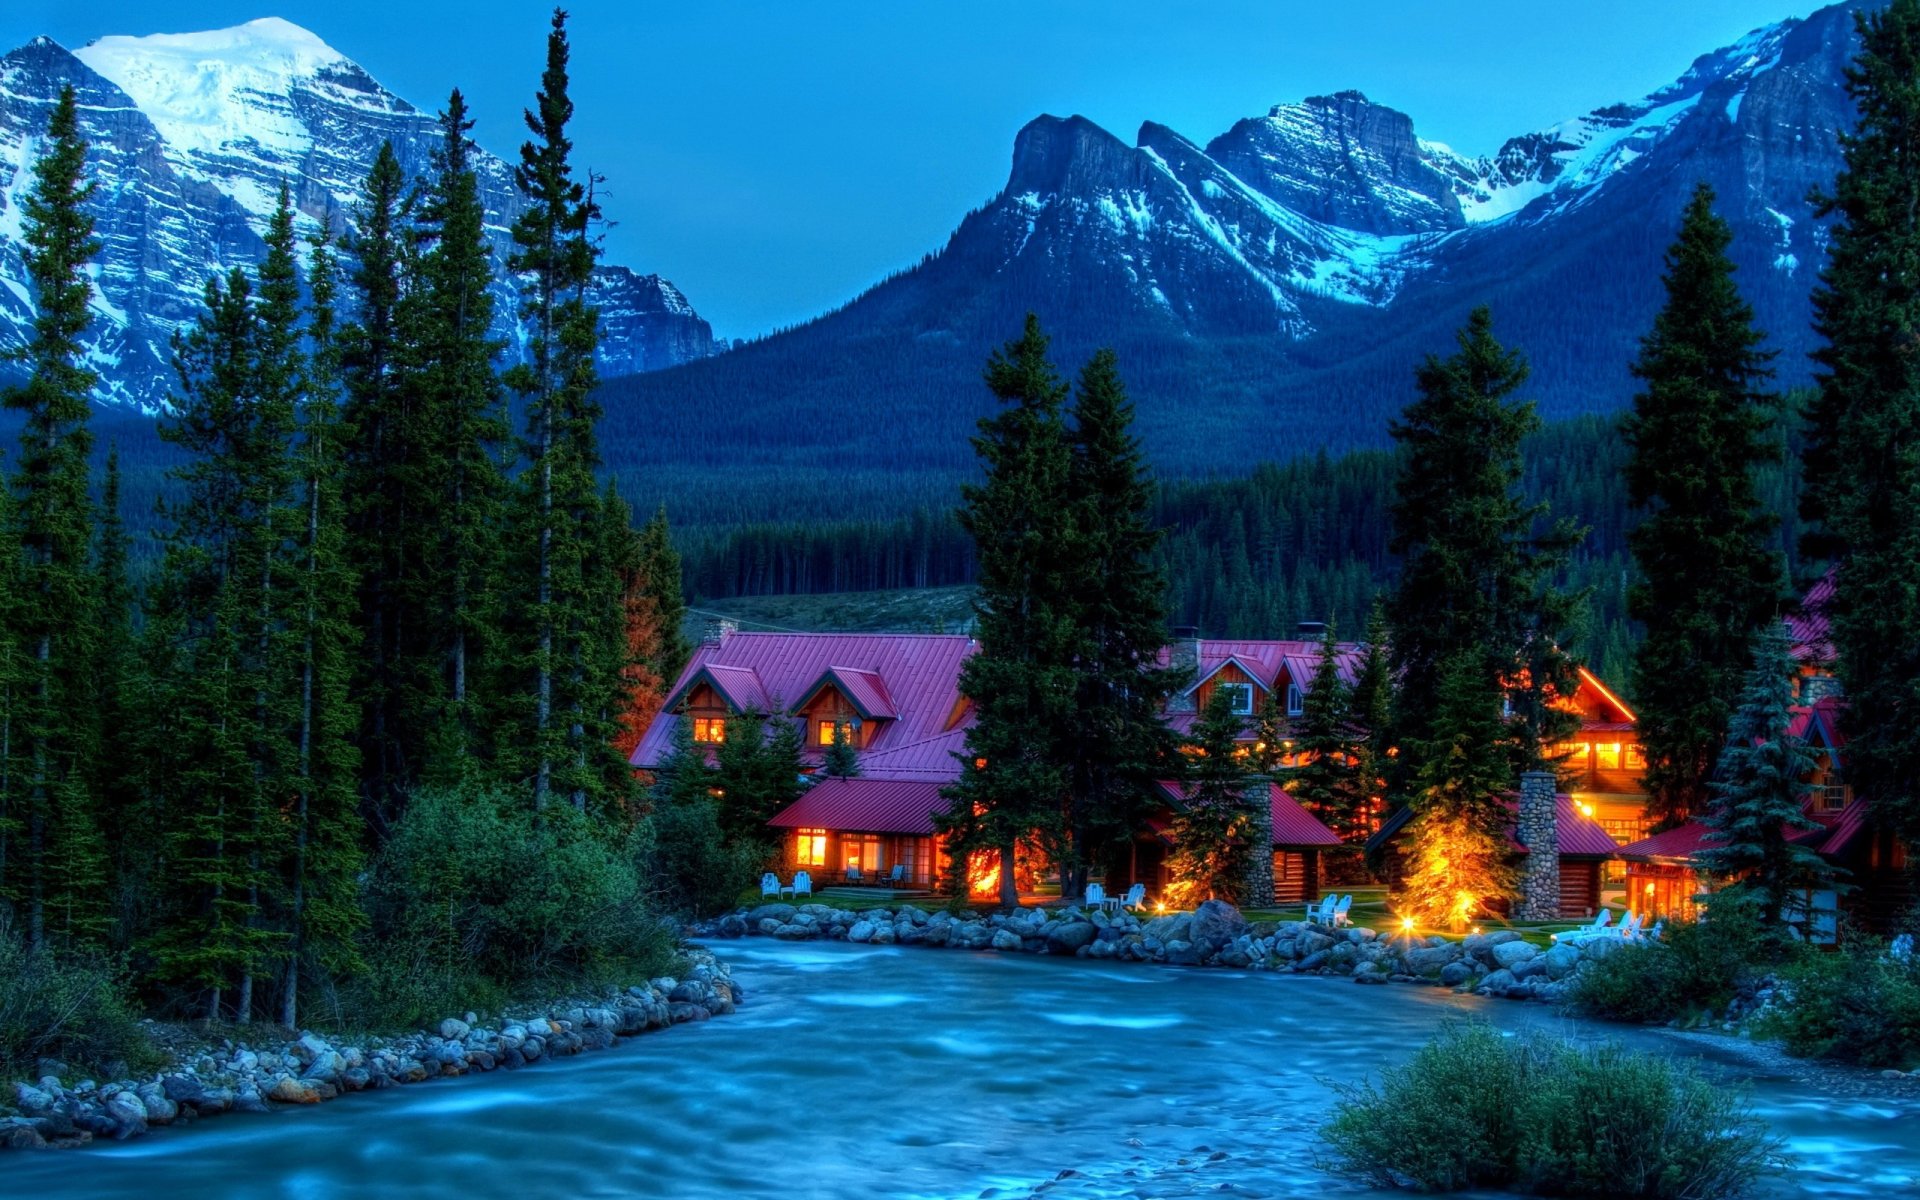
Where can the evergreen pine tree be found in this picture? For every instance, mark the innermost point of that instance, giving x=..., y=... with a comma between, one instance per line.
x=1024, y=680
x=563, y=741
x=1862, y=480
x=1371, y=710
x=656, y=646
x=1117, y=744
x=464, y=433
x=1700, y=430
x=842, y=760
x=1327, y=780
x=1214, y=831
x=1760, y=787
x=64, y=864
x=1459, y=850
x=1474, y=574
x=388, y=480
x=324, y=914
x=115, y=770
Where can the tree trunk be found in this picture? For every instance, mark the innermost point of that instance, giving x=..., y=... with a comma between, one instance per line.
x=1009, y=887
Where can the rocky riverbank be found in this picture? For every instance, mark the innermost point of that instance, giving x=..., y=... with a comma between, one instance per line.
x=1213, y=935
x=208, y=1078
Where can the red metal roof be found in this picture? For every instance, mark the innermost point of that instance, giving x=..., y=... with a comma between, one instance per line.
x=1579, y=835
x=1293, y=826
x=1679, y=843
x=1807, y=627
x=1837, y=831
x=865, y=806
x=1271, y=661
x=914, y=678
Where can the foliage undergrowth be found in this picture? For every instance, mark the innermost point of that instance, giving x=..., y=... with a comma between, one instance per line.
x=1696, y=968
x=476, y=902
x=1859, y=1006
x=66, y=1007
x=1478, y=1109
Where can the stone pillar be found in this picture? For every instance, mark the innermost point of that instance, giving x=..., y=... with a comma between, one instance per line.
x=1539, y=831
x=1183, y=654
x=716, y=629
x=1260, y=870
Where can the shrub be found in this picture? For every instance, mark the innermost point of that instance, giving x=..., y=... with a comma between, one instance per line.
x=689, y=866
x=474, y=901
x=1858, y=1006
x=1697, y=968
x=69, y=1007
x=1476, y=1109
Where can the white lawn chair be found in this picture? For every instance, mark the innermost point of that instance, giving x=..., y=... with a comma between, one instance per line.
x=1576, y=936
x=1340, y=911
x=1136, y=896
x=1323, y=913
x=769, y=886
x=1653, y=935
x=1630, y=928
x=1096, y=896
x=853, y=874
x=802, y=884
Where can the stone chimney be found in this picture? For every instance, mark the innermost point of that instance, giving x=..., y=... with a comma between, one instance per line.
x=717, y=629
x=1539, y=832
x=1183, y=654
x=1260, y=870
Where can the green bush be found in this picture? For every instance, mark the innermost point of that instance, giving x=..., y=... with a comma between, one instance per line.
x=1696, y=968
x=69, y=1007
x=475, y=901
x=1478, y=1109
x=1857, y=1006
x=690, y=868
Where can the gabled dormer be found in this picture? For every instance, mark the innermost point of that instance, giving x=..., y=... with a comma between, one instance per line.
x=713, y=694
x=850, y=699
x=1236, y=677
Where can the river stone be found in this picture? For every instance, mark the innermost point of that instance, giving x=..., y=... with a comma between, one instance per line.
x=860, y=931
x=1561, y=960
x=453, y=1029
x=128, y=1115
x=771, y=912
x=1310, y=943
x=1501, y=937
x=1066, y=937
x=1312, y=962
x=1497, y=983
x=1006, y=939
x=31, y=1100
x=1169, y=928
x=1511, y=954
x=249, y=1101
x=792, y=933
x=1215, y=923
x=1182, y=953
x=19, y=1133
x=1429, y=960
x=1598, y=948
x=1531, y=968
x=1455, y=973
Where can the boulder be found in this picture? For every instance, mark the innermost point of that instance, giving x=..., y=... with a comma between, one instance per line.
x=1455, y=973
x=128, y=1115
x=454, y=1029
x=249, y=1101
x=31, y=1100
x=1310, y=943
x=1598, y=948
x=1183, y=953
x=1430, y=960
x=160, y=1110
x=1530, y=968
x=771, y=912
x=20, y=1133
x=1170, y=928
x=1067, y=937
x=288, y=1090
x=860, y=931
x=1496, y=984
x=1561, y=960
x=1006, y=939
x=1511, y=953
x=1215, y=923
x=1312, y=962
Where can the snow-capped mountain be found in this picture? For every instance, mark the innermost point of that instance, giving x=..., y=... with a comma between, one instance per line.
x=1271, y=290
x=191, y=136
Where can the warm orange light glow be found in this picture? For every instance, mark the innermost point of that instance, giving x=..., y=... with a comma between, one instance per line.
x=983, y=873
x=1586, y=809
x=1406, y=923
x=979, y=764
x=1588, y=677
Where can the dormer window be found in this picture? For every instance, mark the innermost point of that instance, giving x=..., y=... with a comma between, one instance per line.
x=824, y=731
x=1296, y=700
x=1239, y=697
x=710, y=730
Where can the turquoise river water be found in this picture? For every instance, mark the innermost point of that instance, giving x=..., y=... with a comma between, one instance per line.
x=858, y=1072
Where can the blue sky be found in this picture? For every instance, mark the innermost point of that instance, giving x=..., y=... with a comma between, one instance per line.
x=774, y=159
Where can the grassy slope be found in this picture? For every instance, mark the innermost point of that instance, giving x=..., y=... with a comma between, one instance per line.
x=912, y=610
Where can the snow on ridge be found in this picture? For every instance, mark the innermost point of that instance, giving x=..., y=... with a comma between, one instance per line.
x=208, y=91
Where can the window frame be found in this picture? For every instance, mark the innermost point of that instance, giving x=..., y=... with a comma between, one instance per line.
x=1240, y=689
x=710, y=731
x=1296, y=700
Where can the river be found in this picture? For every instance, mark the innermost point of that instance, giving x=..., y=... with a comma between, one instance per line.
x=884, y=1072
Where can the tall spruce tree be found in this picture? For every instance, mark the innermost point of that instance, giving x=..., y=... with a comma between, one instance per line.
x=388, y=485
x=62, y=871
x=1117, y=744
x=1476, y=571
x=1025, y=679
x=1214, y=831
x=570, y=610
x=1760, y=788
x=1328, y=780
x=465, y=433
x=114, y=773
x=1862, y=479
x=324, y=916
x=1701, y=429
x=1371, y=709
x=1459, y=853
x=656, y=646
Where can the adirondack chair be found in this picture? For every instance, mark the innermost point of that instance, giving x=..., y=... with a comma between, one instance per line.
x=898, y=875
x=1599, y=926
x=802, y=884
x=1136, y=896
x=1323, y=913
x=1630, y=928
x=769, y=886
x=853, y=874
x=1341, y=909
x=1096, y=896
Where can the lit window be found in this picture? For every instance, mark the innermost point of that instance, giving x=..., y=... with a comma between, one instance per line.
x=810, y=848
x=1296, y=700
x=1606, y=756
x=710, y=729
x=1239, y=696
x=825, y=731
x=1636, y=757
x=1572, y=754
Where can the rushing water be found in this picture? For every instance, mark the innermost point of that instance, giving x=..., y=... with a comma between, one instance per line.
x=880, y=1072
